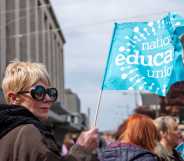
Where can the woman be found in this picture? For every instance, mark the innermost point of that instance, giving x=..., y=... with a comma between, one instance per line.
x=137, y=139
x=24, y=135
x=169, y=138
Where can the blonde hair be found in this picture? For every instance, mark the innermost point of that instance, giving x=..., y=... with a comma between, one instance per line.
x=20, y=75
x=164, y=123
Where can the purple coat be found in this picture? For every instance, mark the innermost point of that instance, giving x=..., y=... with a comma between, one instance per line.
x=125, y=152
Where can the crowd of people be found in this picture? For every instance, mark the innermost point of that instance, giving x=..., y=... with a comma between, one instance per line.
x=25, y=135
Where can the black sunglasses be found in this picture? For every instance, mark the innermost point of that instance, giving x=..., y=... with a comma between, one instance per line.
x=39, y=92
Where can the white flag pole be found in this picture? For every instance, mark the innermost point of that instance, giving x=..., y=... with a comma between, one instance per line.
x=98, y=108
x=100, y=94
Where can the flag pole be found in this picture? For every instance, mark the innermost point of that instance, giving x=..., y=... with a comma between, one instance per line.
x=98, y=108
x=101, y=90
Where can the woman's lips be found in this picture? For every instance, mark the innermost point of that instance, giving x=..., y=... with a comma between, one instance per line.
x=44, y=108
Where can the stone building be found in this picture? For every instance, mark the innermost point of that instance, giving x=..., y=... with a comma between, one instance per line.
x=72, y=101
x=73, y=104
x=29, y=30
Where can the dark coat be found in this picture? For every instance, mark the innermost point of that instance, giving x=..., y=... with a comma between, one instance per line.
x=126, y=152
x=167, y=156
x=25, y=138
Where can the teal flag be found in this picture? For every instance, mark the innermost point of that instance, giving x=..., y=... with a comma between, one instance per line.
x=146, y=55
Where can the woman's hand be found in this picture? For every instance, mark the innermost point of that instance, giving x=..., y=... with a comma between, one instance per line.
x=89, y=139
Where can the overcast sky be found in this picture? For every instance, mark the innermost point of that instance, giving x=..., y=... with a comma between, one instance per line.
x=87, y=27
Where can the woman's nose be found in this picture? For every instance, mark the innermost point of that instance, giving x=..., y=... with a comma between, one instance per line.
x=47, y=98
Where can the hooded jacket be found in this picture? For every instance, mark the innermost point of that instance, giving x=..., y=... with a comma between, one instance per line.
x=126, y=152
x=23, y=137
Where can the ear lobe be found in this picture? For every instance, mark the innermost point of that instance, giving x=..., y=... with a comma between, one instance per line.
x=12, y=97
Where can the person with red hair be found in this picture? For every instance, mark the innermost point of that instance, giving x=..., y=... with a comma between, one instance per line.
x=136, y=140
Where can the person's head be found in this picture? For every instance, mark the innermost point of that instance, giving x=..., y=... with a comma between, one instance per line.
x=145, y=110
x=140, y=130
x=27, y=84
x=168, y=128
x=121, y=129
x=174, y=96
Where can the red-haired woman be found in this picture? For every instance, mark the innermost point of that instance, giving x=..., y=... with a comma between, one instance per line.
x=136, y=141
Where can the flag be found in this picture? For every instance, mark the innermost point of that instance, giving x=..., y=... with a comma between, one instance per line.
x=146, y=55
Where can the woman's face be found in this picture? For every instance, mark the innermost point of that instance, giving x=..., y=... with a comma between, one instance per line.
x=173, y=134
x=38, y=108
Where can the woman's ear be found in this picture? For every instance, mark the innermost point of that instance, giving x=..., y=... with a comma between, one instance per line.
x=12, y=97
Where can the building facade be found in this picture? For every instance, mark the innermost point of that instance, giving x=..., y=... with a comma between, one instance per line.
x=72, y=101
x=30, y=31
x=73, y=104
